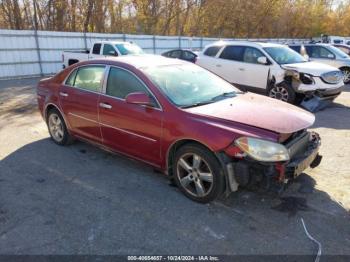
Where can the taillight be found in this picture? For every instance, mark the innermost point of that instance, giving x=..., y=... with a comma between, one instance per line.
x=62, y=58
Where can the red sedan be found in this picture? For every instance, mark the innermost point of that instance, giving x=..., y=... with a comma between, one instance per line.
x=204, y=133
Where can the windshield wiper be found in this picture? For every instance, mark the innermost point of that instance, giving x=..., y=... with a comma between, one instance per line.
x=214, y=99
x=224, y=95
x=198, y=104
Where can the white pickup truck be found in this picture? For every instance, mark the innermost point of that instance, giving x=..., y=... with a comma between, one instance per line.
x=100, y=50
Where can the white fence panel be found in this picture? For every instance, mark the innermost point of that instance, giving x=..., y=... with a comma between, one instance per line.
x=25, y=53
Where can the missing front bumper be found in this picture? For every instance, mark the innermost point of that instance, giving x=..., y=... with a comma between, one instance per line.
x=273, y=176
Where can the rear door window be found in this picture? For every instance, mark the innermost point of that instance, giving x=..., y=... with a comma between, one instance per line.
x=89, y=78
x=96, y=49
x=234, y=53
x=212, y=51
x=175, y=54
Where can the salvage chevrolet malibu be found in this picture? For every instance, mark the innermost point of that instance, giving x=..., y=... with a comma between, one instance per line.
x=208, y=136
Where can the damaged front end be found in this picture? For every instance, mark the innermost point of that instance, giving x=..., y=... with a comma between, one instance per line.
x=244, y=169
x=314, y=93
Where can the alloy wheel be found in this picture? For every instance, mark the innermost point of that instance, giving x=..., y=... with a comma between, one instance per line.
x=280, y=93
x=56, y=127
x=346, y=74
x=194, y=174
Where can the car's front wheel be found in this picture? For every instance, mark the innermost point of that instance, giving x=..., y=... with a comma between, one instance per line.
x=57, y=128
x=346, y=73
x=198, y=173
x=282, y=92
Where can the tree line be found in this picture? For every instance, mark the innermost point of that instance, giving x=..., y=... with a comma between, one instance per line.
x=211, y=18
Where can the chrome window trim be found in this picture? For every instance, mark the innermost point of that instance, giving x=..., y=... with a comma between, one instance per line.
x=79, y=88
x=104, y=88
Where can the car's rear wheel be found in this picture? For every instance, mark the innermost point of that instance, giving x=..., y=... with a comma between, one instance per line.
x=198, y=173
x=346, y=73
x=57, y=128
x=282, y=92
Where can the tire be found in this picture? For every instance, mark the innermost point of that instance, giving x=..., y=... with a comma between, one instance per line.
x=198, y=173
x=346, y=72
x=57, y=128
x=283, y=92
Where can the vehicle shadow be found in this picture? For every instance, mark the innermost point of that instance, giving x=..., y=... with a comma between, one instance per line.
x=80, y=199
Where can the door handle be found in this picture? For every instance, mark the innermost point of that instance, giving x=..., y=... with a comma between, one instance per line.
x=241, y=69
x=106, y=106
x=63, y=94
x=218, y=65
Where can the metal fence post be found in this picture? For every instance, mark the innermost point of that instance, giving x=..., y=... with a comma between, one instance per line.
x=85, y=41
x=124, y=37
x=179, y=42
x=37, y=47
x=37, y=40
x=201, y=43
x=154, y=44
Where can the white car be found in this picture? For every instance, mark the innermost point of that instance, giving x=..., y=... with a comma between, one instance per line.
x=101, y=49
x=271, y=69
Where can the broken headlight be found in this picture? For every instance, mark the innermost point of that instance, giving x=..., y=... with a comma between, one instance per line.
x=306, y=79
x=333, y=77
x=262, y=150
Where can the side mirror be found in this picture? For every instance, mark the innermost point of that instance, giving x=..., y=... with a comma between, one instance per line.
x=138, y=98
x=306, y=56
x=262, y=60
x=112, y=53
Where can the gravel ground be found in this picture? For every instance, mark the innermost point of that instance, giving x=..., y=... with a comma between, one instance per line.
x=82, y=200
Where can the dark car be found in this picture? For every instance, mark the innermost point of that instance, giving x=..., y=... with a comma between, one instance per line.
x=182, y=54
x=197, y=128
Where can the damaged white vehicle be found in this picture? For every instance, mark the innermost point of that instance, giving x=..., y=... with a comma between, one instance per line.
x=271, y=69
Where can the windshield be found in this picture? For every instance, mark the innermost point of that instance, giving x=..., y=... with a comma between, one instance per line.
x=189, y=85
x=338, y=52
x=129, y=49
x=284, y=55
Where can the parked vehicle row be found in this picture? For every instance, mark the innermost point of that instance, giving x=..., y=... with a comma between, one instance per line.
x=326, y=54
x=271, y=69
x=206, y=134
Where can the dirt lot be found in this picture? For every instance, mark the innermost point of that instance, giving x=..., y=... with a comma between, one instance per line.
x=81, y=200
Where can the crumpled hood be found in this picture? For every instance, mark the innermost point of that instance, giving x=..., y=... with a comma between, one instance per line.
x=258, y=111
x=312, y=68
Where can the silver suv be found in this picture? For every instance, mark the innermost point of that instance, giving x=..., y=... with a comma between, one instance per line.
x=327, y=54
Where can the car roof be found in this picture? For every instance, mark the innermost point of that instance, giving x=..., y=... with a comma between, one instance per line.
x=245, y=43
x=144, y=60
